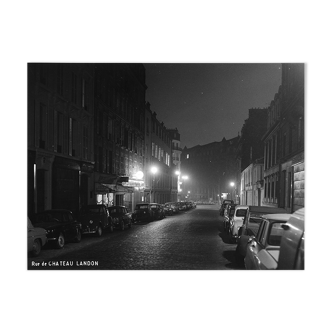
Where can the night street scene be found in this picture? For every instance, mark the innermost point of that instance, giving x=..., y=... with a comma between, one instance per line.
x=165, y=166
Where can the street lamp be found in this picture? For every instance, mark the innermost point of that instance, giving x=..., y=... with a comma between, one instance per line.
x=154, y=171
x=232, y=184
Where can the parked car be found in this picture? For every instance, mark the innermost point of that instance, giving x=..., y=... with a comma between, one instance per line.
x=250, y=227
x=224, y=204
x=143, y=212
x=173, y=206
x=169, y=211
x=228, y=215
x=291, y=255
x=36, y=239
x=237, y=220
x=158, y=211
x=120, y=217
x=60, y=225
x=263, y=249
x=94, y=219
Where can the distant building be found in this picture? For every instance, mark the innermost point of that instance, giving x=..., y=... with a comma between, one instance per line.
x=176, y=158
x=252, y=178
x=211, y=168
x=158, y=166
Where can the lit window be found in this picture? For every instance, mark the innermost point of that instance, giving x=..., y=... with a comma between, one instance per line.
x=187, y=156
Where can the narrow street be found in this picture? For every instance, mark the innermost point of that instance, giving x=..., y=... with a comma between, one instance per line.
x=191, y=240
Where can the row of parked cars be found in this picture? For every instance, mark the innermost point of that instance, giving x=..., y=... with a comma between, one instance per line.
x=266, y=237
x=59, y=226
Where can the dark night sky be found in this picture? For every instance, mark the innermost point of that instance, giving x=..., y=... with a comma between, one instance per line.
x=208, y=101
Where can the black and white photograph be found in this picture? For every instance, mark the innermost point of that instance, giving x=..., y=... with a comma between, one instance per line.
x=166, y=166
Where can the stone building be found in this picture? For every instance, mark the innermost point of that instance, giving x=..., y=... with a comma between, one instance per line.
x=60, y=136
x=210, y=168
x=159, y=172
x=284, y=142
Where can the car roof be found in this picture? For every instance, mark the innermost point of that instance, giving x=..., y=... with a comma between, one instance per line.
x=297, y=219
x=115, y=206
x=57, y=210
x=242, y=206
x=277, y=216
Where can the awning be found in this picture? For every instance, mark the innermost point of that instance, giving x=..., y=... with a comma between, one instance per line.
x=100, y=189
x=123, y=190
x=106, y=179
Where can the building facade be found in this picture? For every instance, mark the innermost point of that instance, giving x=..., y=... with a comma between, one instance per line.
x=176, y=159
x=60, y=136
x=252, y=189
x=284, y=142
x=159, y=172
x=210, y=169
x=119, y=96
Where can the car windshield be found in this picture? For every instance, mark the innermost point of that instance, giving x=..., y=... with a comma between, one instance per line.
x=48, y=216
x=141, y=207
x=90, y=210
x=274, y=237
x=114, y=210
x=241, y=213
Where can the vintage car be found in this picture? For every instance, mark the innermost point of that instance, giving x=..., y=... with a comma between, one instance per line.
x=60, y=225
x=148, y=212
x=143, y=212
x=158, y=211
x=120, y=217
x=94, y=219
x=224, y=204
x=168, y=208
x=36, y=239
x=237, y=220
x=174, y=206
x=263, y=249
x=250, y=227
x=291, y=256
x=228, y=215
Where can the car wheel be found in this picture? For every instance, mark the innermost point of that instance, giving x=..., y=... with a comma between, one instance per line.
x=36, y=248
x=122, y=226
x=60, y=243
x=238, y=258
x=99, y=231
x=78, y=237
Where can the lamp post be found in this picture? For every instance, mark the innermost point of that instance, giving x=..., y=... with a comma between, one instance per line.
x=232, y=184
x=185, y=178
x=154, y=170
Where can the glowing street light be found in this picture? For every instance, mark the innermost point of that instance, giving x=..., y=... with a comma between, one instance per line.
x=154, y=170
x=185, y=177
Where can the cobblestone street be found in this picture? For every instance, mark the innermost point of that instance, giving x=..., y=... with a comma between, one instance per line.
x=191, y=240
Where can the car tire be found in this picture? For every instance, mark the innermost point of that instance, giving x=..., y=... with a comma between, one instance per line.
x=36, y=248
x=122, y=225
x=78, y=237
x=99, y=231
x=60, y=243
x=238, y=258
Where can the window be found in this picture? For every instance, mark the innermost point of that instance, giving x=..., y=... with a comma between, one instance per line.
x=187, y=156
x=274, y=236
x=73, y=88
x=60, y=80
x=42, y=125
x=85, y=142
x=241, y=213
x=83, y=93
